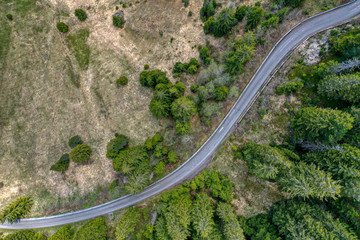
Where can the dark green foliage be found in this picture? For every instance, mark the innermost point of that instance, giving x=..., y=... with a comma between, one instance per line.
x=191, y=67
x=241, y=12
x=221, y=93
x=243, y=50
x=152, y=78
x=344, y=167
x=80, y=154
x=346, y=45
x=344, y=87
x=172, y=157
x=319, y=125
x=62, y=164
x=127, y=223
x=204, y=54
x=23, y=235
x=116, y=145
x=114, y=184
x=348, y=212
x=146, y=66
x=74, y=141
x=202, y=216
x=208, y=9
x=64, y=233
x=160, y=109
x=282, y=14
x=220, y=185
x=308, y=181
x=118, y=21
x=122, y=81
x=260, y=227
x=62, y=27
x=9, y=16
x=290, y=3
x=271, y=22
x=16, y=210
x=133, y=159
x=94, y=230
x=209, y=26
x=151, y=143
x=296, y=219
x=265, y=161
x=159, y=168
x=353, y=136
x=186, y=2
x=230, y=225
x=80, y=14
x=183, y=108
x=194, y=88
x=182, y=127
x=254, y=18
x=290, y=87
x=224, y=22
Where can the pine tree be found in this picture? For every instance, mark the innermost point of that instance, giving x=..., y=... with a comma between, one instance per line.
x=127, y=223
x=202, y=216
x=16, y=210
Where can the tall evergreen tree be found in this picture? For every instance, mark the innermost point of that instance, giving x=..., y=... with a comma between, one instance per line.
x=202, y=216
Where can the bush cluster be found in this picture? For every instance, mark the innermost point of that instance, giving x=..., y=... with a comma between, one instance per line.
x=118, y=21
x=122, y=81
x=191, y=67
x=80, y=14
x=62, y=27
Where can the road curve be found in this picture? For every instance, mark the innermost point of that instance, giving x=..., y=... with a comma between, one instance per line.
x=277, y=56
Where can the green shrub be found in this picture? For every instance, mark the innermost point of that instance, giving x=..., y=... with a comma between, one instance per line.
x=159, y=168
x=114, y=184
x=186, y=2
x=9, y=16
x=74, y=141
x=282, y=14
x=64, y=233
x=255, y=16
x=172, y=157
x=116, y=145
x=16, y=210
x=94, y=230
x=209, y=26
x=224, y=22
x=152, y=78
x=62, y=27
x=80, y=14
x=190, y=13
x=23, y=235
x=80, y=154
x=134, y=159
x=122, y=81
x=146, y=66
x=290, y=87
x=208, y=9
x=182, y=128
x=221, y=93
x=62, y=164
x=151, y=143
x=192, y=69
x=118, y=21
x=194, y=88
x=241, y=12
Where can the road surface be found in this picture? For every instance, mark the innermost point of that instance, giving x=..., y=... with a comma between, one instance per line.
x=277, y=56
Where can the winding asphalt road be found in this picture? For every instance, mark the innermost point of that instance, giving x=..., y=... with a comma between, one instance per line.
x=277, y=56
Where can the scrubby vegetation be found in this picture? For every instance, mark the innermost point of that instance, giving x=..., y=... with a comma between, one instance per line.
x=118, y=21
x=80, y=14
x=16, y=210
x=74, y=141
x=122, y=81
x=62, y=165
x=81, y=153
x=62, y=27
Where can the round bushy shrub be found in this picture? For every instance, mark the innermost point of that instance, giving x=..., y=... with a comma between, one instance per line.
x=9, y=16
x=116, y=145
x=80, y=14
x=118, y=21
x=62, y=27
x=74, y=141
x=194, y=88
x=221, y=93
x=122, y=81
x=146, y=66
x=80, y=154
